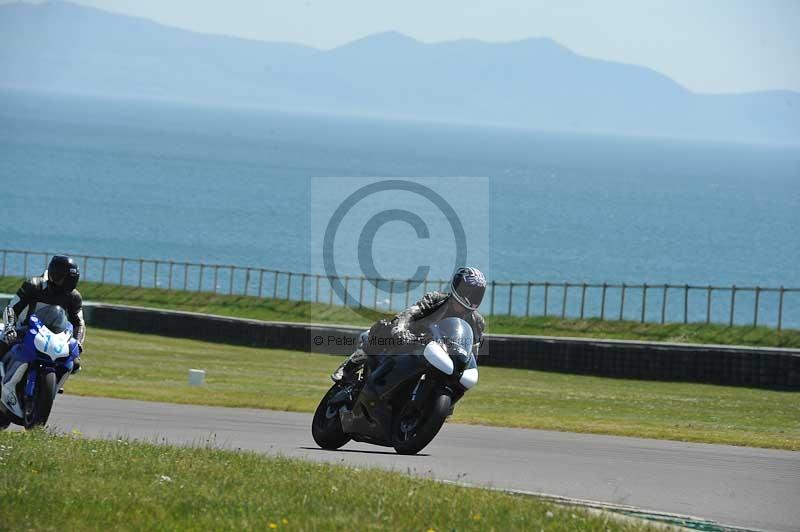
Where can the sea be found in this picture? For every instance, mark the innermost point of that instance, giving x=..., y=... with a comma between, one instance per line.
x=232, y=185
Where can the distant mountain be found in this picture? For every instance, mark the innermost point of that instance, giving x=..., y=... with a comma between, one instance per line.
x=533, y=83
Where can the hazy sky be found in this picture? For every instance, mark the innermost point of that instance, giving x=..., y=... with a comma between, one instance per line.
x=706, y=45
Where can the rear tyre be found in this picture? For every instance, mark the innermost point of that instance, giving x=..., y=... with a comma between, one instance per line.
x=413, y=429
x=326, y=427
x=43, y=401
x=5, y=421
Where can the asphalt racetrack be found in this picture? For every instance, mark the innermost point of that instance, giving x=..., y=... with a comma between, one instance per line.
x=743, y=487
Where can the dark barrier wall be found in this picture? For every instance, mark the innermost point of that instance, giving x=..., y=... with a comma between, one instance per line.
x=741, y=366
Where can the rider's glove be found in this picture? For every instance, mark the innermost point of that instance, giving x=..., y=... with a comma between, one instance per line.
x=407, y=337
x=10, y=334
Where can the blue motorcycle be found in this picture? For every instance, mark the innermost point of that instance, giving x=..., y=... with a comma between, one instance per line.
x=36, y=367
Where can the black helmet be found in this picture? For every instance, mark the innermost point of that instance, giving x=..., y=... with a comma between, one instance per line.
x=468, y=287
x=63, y=272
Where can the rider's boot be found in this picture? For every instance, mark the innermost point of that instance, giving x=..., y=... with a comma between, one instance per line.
x=345, y=371
x=349, y=367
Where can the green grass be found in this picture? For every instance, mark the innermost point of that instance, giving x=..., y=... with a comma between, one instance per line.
x=282, y=310
x=154, y=368
x=122, y=485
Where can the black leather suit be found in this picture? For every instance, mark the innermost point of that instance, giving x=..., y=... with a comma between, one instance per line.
x=37, y=290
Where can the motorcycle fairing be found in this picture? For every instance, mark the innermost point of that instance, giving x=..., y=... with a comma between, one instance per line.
x=54, y=345
x=438, y=357
x=13, y=376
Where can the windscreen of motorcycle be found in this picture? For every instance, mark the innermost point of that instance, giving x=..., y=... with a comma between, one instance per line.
x=455, y=335
x=53, y=317
x=53, y=331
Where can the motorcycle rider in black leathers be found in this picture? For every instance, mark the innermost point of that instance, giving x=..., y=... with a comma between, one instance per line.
x=57, y=286
x=411, y=325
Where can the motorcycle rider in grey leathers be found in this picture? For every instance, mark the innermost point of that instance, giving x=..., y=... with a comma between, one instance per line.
x=466, y=293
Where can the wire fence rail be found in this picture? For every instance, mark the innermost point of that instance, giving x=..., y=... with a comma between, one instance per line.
x=777, y=307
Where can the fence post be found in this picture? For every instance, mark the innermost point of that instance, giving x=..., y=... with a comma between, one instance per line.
x=275, y=285
x=733, y=304
x=121, y=271
x=346, y=289
x=85, y=267
x=664, y=304
x=185, y=276
x=289, y=287
x=622, y=303
x=391, y=293
x=780, y=307
x=361, y=292
x=708, y=304
x=510, y=295
x=261, y=282
x=155, y=274
x=407, y=291
x=564, y=301
x=528, y=301
x=169, y=282
x=583, y=297
x=140, y=272
x=25, y=264
x=755, y=308
x=644, y=301
x=685, y=303
x=375, y=294
x=230, y=281
x=200, y=280
x=303, y=287
x=546, y=296
x=603, y=302
x=103, y=272
x=491, y=309
x=247, y=280
x=5, y=253
x=316, y=291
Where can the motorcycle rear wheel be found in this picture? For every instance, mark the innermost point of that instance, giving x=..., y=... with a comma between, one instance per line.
x=413, y=429
x=5, y=421
x=326, y=427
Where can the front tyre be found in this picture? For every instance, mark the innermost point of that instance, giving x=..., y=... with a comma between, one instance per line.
x=42, y=401
x=413, y=429
x=326, y=427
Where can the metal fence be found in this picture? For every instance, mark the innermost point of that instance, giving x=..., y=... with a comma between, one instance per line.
x=777, y=307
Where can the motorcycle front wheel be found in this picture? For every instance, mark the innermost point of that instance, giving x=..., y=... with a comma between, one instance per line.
x=42, y=401
x=326, y=427
x=414, y=428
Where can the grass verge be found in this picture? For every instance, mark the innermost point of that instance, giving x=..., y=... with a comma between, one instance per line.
x=283, y=310
x=122, y=485
x=155, y=368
